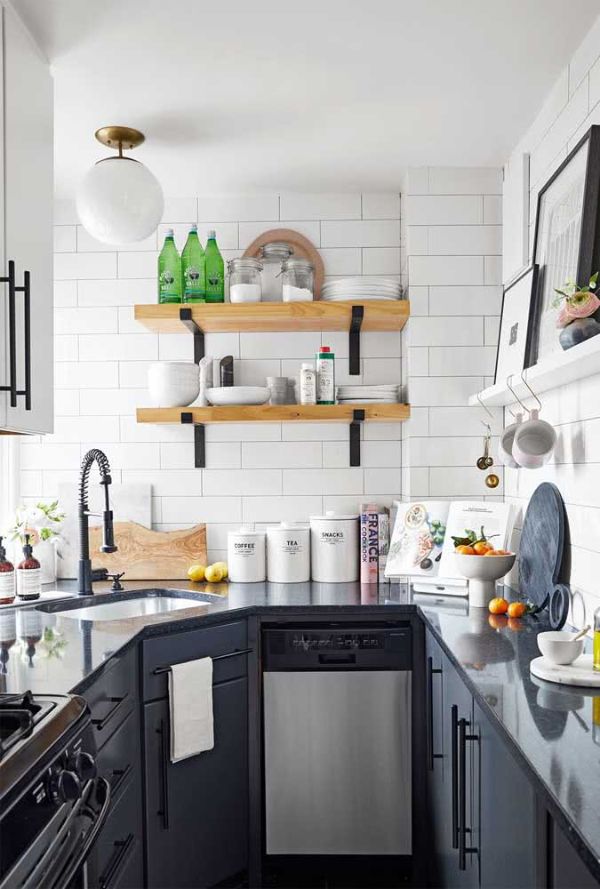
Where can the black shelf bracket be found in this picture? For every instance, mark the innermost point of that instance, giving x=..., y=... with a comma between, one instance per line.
x=185, y=316
x=187, y=419
x=358, y=313
x=358, y=417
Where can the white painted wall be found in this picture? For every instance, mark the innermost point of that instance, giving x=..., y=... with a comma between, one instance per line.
x=255, y=473
x=572, y=106
x=454, y=246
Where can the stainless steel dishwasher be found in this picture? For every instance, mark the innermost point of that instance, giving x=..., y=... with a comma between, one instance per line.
x=337, y=740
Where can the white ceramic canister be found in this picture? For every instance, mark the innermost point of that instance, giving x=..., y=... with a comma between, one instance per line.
x=246, y=555
x=334, y=548
x=288, y=553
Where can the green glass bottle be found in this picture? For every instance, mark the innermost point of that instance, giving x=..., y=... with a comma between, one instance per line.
x=215, y=271
x=192, y=269
x=169, y=271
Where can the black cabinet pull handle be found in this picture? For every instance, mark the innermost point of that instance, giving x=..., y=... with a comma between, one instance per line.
x=120, y=776
x=163, y=765
x=12, y=335
x=103, y=722
x=122, y=851
x=431, y=672
x=463, y=830
x=454, y=737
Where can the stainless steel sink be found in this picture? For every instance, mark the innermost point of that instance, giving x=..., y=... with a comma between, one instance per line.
x=143, y=605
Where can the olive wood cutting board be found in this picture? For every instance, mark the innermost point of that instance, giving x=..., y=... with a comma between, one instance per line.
x=144, y=554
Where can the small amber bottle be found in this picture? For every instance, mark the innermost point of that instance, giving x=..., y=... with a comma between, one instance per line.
x=29, y=575
x=7, y=578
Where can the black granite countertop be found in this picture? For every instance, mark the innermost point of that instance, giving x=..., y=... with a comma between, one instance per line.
x=553, y=730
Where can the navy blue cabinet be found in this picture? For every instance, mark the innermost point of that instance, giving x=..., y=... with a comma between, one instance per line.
x=197, y=809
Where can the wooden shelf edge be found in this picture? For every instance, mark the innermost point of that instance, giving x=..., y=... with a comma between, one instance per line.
x=558, y=370
x=273, y=317
x=272, y=413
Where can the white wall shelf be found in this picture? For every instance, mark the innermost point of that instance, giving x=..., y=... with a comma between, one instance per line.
x=557, y=370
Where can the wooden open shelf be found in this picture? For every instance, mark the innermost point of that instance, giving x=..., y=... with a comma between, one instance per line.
x=275, y=413
x=273, y=317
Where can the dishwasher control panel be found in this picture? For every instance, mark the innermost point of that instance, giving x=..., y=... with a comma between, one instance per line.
x=377, y=648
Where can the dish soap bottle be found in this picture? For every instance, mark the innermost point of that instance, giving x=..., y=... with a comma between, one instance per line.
x=169, y=271
x=29, y=575
x=596, y=658
x=325, y=376
x=308, y=384
x=215, y=271
x=7, y=578
x=192, y=269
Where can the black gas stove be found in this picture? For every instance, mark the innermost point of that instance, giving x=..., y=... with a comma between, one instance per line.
x=52, y=805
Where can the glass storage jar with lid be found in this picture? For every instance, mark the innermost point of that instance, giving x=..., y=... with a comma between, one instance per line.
x=298, y=277
x=245, y=285
x=273, y=255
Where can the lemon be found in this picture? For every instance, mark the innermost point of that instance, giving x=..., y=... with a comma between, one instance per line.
x=223, y=567
x=196, y=573
x=213, y=574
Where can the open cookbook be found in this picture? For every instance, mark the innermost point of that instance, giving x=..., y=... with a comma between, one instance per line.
x=422, y=548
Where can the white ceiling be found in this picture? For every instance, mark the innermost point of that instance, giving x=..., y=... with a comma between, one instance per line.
x=313, y=95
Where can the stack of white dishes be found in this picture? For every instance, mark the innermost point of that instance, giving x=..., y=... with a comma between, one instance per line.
x=360, y=288
x=384, y=394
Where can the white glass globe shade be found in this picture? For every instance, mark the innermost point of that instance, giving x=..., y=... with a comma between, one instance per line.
x=120, y=201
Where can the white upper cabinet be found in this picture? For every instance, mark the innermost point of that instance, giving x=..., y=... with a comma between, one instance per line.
x=26, y=155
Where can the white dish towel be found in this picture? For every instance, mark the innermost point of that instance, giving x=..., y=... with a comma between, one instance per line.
x=191, y=706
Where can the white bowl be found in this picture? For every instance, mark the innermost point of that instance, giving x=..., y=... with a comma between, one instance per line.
x=223, y=395
x=483, y=572
x=558, y=646
x=173, y=383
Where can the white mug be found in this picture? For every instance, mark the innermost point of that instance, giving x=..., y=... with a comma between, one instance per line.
x=506, y=443
x=173, y=383
x=533, y=442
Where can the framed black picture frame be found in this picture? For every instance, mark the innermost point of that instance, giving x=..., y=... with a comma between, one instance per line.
x=566, y=241
x=515, y=324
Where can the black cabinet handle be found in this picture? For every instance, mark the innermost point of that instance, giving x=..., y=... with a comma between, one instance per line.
x=119, y=776
x=463, y=830
x=122, y=851
x=103, y=722
x=431, y=672
x=12, y=335
x=163, y=765
x=454, y=736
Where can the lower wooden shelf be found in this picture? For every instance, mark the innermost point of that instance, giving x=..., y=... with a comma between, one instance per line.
x=276, y=413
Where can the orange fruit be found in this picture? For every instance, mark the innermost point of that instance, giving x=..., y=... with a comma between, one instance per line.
x=498, y=606
x=497, y=621
x=491, y=552
x=517, y=609
x=465, y=550
x=481, y=548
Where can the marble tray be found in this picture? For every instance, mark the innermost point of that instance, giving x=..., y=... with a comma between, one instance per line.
x=579, y=673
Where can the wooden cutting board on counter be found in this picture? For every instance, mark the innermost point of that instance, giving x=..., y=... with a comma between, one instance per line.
x=144, y=554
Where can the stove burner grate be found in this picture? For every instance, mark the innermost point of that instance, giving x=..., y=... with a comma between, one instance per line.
x=18, y=715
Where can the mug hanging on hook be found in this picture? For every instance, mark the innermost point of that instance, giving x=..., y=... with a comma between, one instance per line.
x=505, y=454
x=534, y=440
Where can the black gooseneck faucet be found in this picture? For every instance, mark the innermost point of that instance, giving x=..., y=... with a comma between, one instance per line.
x=85, y=574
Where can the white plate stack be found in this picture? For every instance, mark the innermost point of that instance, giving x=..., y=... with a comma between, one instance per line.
x=384, y=394
x=360, y=288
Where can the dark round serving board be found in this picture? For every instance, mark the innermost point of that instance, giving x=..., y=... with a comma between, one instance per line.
x=542, y=545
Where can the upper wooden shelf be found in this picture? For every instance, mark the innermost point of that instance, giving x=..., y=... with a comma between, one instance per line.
x=275, y=413
x=273, y=317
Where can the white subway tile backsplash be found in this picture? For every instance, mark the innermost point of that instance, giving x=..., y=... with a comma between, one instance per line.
x=445, y=270
x=442, y=331
x=459, y=482
x=180, y=210
x=77, y=266
x=462, y=361
x=492, y=209
x=65, y=212
x=86, y=375
x=224, y=483
x=492, y=269
x=239, y=207
x=112, y=401
x=492, y=331
x=281, y=455
x=342, y=261
x=383, y=482
x=323, y=481
x=254, y=372
x=381, y=261
x=381, y=205
x=85, y=242
x=482, y=300
x=180, y=483
x=465, y=240
x=201, y=509
x=251, y=230
x=132, y=374
x=443, y=391
x=280, y=509
x=366, y=233
x=226, y=234
x=65, y=294
x=136, y=265
x=417, y=180
x=465, y=180
x=66, y=403
x=76, y=321
x=117, y=292
x=125, y=347
x=423, y=210
x=279, y=345
x=65, y=239
x=446, y=421
x=319, y=206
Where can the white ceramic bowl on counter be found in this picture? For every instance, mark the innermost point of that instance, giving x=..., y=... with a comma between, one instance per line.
x=559, y=647
x=173, y=383
x=483, y=572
